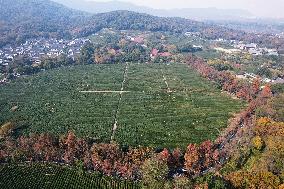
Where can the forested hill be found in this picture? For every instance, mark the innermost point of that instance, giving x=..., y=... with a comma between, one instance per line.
x=22, y=19
x=123, y=20
x=43, y=17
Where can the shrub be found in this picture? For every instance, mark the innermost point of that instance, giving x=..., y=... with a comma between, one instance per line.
x=246, y=179
x=182, y=183
x=6, y=128
x=154, y=172
x=257, y=143
x=263, y=121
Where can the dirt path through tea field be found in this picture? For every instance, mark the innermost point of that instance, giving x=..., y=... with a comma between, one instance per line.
x=115, y=124
x=166, y=82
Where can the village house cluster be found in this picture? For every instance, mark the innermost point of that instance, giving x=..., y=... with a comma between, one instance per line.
x=252, y=76
x=251, y=48
x=35, y=49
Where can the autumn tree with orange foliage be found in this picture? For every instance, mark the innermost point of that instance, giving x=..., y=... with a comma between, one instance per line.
x=200, y=158
x=256, y=86
x=266, y=92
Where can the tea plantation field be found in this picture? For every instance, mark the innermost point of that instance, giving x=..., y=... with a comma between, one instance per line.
x=165, y=105
x=56, y=177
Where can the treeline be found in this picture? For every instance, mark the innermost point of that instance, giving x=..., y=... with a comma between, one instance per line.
x=206, y=165
x=227, y=81
x=110, y=159
x=153, y=167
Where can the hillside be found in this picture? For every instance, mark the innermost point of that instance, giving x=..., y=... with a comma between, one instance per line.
x=237, y=19
x=21, y=19
x=123, y=20
x=29, y=18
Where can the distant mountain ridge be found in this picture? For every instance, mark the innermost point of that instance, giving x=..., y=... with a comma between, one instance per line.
x=191, y=13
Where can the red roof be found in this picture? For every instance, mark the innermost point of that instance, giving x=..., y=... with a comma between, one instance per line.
x=154, y=52
x=165, y=54
x=138, y=40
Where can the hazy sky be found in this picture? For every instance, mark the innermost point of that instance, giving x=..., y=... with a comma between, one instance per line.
x=266, y=8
